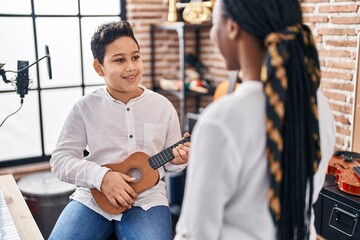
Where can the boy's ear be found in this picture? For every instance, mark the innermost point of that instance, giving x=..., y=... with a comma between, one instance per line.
x=98, y=68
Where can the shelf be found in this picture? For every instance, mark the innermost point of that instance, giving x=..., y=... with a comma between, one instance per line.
x=179, y=94
x=181, y=25
x=181, y=28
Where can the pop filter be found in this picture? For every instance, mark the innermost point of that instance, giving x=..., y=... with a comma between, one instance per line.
x=48, y=61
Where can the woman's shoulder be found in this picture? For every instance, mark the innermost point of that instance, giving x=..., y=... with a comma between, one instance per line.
x=248, y=96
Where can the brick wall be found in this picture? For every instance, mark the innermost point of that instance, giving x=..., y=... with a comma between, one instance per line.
x=335, y=24
x=142, y=13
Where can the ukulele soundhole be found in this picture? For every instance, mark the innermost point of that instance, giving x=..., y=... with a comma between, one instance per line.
x=135, y=173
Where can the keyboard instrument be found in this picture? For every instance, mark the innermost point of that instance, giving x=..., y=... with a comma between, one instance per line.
x=7, y=226
x=16, y=220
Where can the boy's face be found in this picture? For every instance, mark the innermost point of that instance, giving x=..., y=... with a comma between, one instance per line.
x=122, y=67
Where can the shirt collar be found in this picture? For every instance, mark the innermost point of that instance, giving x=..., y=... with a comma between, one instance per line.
x=145, y=92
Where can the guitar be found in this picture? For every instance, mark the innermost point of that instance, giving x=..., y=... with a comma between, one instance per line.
x=141, y=167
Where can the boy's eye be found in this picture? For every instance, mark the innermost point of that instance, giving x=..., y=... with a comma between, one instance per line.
x=136, y=57
x=120, y=60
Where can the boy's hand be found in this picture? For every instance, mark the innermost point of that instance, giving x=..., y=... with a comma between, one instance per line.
x=181, y=152
x=116, y=188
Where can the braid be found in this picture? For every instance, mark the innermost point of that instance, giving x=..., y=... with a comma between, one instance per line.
x=291, y=78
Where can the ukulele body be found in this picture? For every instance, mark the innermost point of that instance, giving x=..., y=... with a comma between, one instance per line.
x=141, y=167
x=136, y=166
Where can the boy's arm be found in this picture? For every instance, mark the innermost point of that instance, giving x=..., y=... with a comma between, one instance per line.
x=67, y=160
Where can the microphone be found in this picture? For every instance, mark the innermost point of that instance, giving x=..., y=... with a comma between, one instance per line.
x=48, y=61
x=22, y=80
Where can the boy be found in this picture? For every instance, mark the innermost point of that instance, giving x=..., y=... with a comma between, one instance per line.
x=112, y=124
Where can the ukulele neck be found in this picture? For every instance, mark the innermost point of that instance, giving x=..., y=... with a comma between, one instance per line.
x=166, y=155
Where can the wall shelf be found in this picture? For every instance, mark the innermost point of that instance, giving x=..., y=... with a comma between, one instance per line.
x=181, y=28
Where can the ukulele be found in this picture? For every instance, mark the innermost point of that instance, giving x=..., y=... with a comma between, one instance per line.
x=346, y=170
x=141, y=167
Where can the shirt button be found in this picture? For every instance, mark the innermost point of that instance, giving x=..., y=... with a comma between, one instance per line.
x=127, y=109
x=131, y=136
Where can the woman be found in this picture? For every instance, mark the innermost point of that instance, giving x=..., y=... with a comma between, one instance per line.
x=259, y=155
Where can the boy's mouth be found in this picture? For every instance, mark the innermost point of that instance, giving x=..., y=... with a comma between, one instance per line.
x=130, y=77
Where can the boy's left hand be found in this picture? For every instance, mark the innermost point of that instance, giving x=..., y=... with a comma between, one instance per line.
x=181, y=152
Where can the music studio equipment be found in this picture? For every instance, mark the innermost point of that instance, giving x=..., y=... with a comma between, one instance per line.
x=22, y=80
x=7, y=225
x=337, y=210
x=16, y=220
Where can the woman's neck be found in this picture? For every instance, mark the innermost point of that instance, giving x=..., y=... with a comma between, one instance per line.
x=251, y=57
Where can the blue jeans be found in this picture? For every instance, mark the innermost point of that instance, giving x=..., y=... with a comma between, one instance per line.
x=81, y=223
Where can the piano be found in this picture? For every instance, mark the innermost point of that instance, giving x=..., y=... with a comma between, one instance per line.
x=7, y=226
x=16, y=220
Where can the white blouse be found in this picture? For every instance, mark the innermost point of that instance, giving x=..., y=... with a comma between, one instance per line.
x=227, y=181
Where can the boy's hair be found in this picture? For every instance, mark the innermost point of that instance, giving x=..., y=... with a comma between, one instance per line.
x=108, y=33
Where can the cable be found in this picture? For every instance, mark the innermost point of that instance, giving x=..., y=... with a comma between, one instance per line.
x=21, y=104
x=46, y=56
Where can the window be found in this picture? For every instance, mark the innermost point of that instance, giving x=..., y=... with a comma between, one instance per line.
x=66, y=27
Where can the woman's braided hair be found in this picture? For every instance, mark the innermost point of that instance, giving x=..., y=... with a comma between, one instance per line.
x=291, y=77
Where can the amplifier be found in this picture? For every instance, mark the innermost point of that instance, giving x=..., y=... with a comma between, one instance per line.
x=339, y=214
x=318, y=206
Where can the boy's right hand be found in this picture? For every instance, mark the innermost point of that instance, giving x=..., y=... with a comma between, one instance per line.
x=116, y=188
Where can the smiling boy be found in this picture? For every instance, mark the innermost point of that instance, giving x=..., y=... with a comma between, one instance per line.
x=112, y=123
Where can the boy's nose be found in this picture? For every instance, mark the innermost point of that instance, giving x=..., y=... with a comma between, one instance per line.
x=130, y=67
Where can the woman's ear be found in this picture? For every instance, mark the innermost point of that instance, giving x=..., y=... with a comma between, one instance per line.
x=98, y=68
x=233, y=29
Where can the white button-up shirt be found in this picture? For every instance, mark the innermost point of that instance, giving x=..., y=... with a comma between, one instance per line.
x=111, y=131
